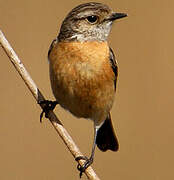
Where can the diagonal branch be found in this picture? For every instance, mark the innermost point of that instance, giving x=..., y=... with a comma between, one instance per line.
x=39, y=97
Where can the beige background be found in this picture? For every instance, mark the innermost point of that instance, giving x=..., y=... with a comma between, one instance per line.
x=142, y=113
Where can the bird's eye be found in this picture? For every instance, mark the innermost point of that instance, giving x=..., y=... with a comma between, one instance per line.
x=92, y=19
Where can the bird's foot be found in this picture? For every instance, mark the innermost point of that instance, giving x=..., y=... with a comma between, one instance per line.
x=88, y=162
x=47, y=106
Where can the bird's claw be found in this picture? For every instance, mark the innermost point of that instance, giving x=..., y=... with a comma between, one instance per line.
x=48, y=106
x=83, y=167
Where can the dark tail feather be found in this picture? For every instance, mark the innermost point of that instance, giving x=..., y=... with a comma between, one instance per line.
x=106, y=138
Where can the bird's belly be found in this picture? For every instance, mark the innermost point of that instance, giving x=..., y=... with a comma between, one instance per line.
x=80, y=90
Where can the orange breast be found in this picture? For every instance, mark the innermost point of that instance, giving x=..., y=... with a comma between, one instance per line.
x=82, y=77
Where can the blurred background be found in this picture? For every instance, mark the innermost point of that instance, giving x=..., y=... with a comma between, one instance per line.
x=143, y=109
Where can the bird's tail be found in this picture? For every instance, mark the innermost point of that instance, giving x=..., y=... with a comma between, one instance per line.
x=106, y=138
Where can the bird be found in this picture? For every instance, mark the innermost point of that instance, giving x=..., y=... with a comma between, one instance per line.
x=83, y=71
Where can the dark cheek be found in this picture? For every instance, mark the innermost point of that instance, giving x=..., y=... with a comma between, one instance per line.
x=82, y=26
x=77, y=25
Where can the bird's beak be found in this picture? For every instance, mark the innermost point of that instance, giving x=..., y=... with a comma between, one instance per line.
x=115, y=16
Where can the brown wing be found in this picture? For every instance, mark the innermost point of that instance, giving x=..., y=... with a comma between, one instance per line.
x=51, y=46
x=113, y=65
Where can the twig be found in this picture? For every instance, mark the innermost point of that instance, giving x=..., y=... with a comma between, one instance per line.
x=39, y=97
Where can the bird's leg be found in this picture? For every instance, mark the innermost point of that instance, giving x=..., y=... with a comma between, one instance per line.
x=48, y=106
x=88, y=161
